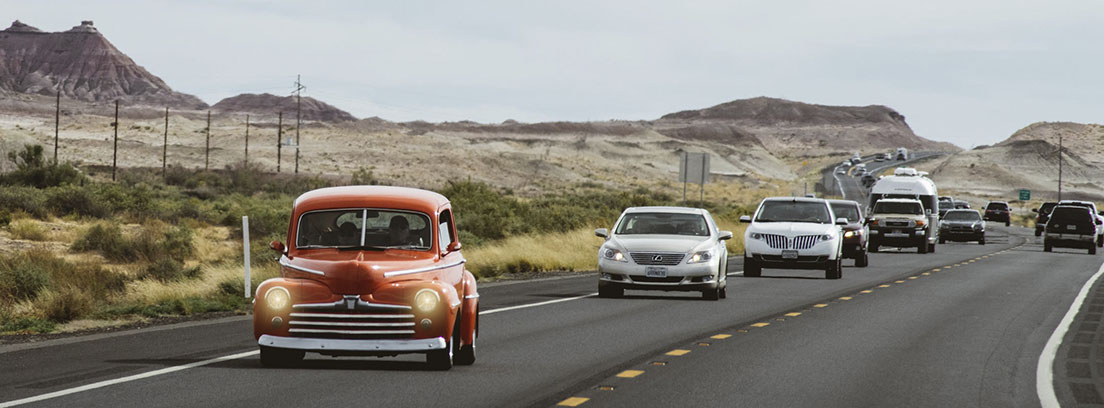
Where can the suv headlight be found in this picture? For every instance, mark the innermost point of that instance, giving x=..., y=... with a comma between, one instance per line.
x=826, y=237
x=855, y=233
x=614, y=255
x=756, y=235
x=700, y=256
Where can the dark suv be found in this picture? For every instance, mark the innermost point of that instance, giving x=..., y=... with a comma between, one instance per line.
x=1043, y=215
x=946, y=203
x=1071, y=227
x=998, y=211
x=854, y=233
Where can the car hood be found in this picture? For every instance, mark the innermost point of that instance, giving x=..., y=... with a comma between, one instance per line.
x=958, y=222
x=790, y=228
x=658, y=243
x=355, y=272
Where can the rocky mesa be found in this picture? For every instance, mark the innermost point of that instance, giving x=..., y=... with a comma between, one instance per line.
x=271, y=105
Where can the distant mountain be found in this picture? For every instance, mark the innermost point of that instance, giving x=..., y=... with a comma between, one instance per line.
x=798, y=128
x=269, y=104
x=85, y=65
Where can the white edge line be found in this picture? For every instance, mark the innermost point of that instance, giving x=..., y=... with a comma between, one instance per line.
x=549, y=302
x=106, y=383
x=1044, y=372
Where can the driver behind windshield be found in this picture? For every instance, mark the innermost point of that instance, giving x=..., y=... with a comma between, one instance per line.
x=399, y=232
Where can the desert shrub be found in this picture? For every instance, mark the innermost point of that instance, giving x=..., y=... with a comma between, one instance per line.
x=33, y=171
x=28, y=325
x=106, y=238
x=482, y=213
x=152, y=243
x=29, y=200
x=363, y=177
x=169, y=270
x=28, y=230
x=23, y=276
x=91, y=278
x=77, y=200
x=65, y=304
x=5, y=217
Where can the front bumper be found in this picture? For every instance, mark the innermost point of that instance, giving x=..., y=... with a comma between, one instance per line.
x=955, y=235
x=347, y=346
x=630, y=275
x=899, y=237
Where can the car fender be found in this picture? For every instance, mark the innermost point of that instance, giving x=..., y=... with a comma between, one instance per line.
x=469, y=318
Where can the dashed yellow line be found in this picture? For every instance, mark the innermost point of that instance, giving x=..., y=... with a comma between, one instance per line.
x=720, y=336
x=912, y=277
x=883, y=286
x=677, y=352
x=867, y=291
x=926, y=274
x=845, y=298
x=793, y=314
x=605, y=388
x=821, y=305
x=900, y=281
x=630, y=373
x=573, y=402
x=935, y=270
x=760, y=324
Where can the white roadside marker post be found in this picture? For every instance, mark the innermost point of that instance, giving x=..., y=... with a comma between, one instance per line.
x=245, y=249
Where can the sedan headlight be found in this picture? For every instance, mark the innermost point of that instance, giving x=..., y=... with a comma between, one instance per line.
x=614, y=255
x=277, y=298
x=426, y=300
x=699, y=257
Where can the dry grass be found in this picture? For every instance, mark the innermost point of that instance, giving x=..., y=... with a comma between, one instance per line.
x=29, y=230
x=562, y=251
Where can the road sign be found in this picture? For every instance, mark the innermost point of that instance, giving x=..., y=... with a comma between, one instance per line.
x=694, y=168
x=1025, y=195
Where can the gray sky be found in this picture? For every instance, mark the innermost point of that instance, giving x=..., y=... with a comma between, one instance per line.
x=969, y=73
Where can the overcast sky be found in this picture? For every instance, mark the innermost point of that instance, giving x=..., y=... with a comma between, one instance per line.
x=969, y=73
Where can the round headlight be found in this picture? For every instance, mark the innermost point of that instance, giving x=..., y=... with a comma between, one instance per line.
x=277, y=298
x=426, y=300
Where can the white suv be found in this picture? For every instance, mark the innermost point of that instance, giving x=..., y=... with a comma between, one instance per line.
x=793, y=233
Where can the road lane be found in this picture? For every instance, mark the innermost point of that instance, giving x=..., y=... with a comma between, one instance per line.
x=526, y=356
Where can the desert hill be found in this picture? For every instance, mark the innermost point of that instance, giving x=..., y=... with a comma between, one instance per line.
x=84, y=64
x=269, y=104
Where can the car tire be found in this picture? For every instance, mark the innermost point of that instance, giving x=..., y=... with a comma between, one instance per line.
x=834, y=269
x=1038, y=232
x=722, y=292
x=922, y=248
x=1007, y=223
x=981, y=241
x=610, y=292
x=863, y=260
x=1092, y=250
x=280, y=357
x=942, y=240
x=1047, y=247
x=442, y=360
x=872, y=247
x=752, y=269
x=711, y=294
x=1100, y=241
x=466, y=354
x=931, y=248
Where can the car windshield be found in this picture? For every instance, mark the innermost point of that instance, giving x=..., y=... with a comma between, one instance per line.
x=962, y=216
x=794, y=211
x=364, y=228
x=890, y=207
x=848, y=211
x=663, y=224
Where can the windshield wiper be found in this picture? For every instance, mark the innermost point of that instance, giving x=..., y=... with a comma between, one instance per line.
x=368, y=247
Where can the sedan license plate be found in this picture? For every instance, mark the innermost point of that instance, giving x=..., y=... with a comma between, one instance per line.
x=1071, y=227
x=789, y=254
x=655, y=271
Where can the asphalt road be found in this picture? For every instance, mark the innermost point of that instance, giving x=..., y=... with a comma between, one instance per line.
x=970, y=335
x=851, y=187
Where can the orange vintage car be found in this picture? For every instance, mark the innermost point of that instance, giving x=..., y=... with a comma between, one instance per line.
x=369, y=270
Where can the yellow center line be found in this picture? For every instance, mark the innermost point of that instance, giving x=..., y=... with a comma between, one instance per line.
x=926, y=274
x=573, y=402
x=845, y=298
x=935, y=270
x=900, y=281
x=793, y=314
x=821, y=305
x=677, y=352
x=760, y=324
x=605, y=388
x=720, y=336
x=630, y=373
x=867, y=291
x=883, y=286
x=912, y=277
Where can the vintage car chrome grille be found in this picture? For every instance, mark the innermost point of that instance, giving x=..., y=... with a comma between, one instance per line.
x=805, y=241
x=351, y=318
x=657, y=258
x=776, y=241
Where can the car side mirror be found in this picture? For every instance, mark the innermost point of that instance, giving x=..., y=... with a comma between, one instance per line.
x=601, y=232
x=1098, y=222
x=745, y=218
x=1034, y=210
x=278, y=247
x=453, y=246
x=724, y=235
x=841, y=221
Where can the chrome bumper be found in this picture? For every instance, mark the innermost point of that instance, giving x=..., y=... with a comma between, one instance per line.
x=396, y=346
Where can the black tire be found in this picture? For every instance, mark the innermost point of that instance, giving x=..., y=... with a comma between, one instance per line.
x=723, y=292
x=466, y=354
x=711, y=294
x=1047, y=247
x=610, y=292
x=442, y=360
x=752, y=269
x=1092, y=250
x=834, y=269
x=872, y=247
x=863, y=260
x=981, y=241
x=1038, y=232
x=1100, y=241
x=931, y=248
x=942, y=240
x=1007, y=223
x=279, y=357
x=922, y=248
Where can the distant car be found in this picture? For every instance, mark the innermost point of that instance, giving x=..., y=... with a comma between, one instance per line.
x=793, y=233
x=841, y=170
x=902, y=154
x=856, y=158
x=1043, y=214
x=962, y=225
x=881, y=157
x=663, y=248
x=854, y=233
x=961, y=205
x=998, y=211
x=860, y=171
x=868, y=180
x=1071, y=227
x=1096, y=213
x=898, y=222
x=946, y=203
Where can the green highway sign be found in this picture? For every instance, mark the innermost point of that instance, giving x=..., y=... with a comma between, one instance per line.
x=1025, y=195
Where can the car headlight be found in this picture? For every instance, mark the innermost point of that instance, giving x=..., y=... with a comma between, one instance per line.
x=756, y=235
x=426, y=300
x=277, y=298
x=826, y=237
x=700, y=256
x=614, y=255
x=855, y=233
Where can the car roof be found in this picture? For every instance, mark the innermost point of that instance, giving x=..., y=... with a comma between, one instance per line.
x=960, y=210
x=796, y=199
x=847, y=202
x=404, y=198
x=899, y=200
x=666, y=209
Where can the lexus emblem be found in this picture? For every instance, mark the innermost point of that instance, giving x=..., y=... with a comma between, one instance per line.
x=657, y=258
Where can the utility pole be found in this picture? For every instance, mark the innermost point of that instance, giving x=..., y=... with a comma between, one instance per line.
x=165, y=147
x=207, y=155
x=57, y=124
x=1059, y=167
x=298, y=102
x=115, y=154
x=247, y=139
x=279, y=143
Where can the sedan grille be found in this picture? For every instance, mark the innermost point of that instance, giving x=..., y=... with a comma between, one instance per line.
x=351, y=318
x=799, y=242
x=657, y=258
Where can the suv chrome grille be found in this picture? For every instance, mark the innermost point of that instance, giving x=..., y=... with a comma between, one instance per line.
x=805, y=241
x=776, y=241
x=657, y=258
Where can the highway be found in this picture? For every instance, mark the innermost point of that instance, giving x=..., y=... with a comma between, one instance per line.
x=851, y=188
x=964, y=327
